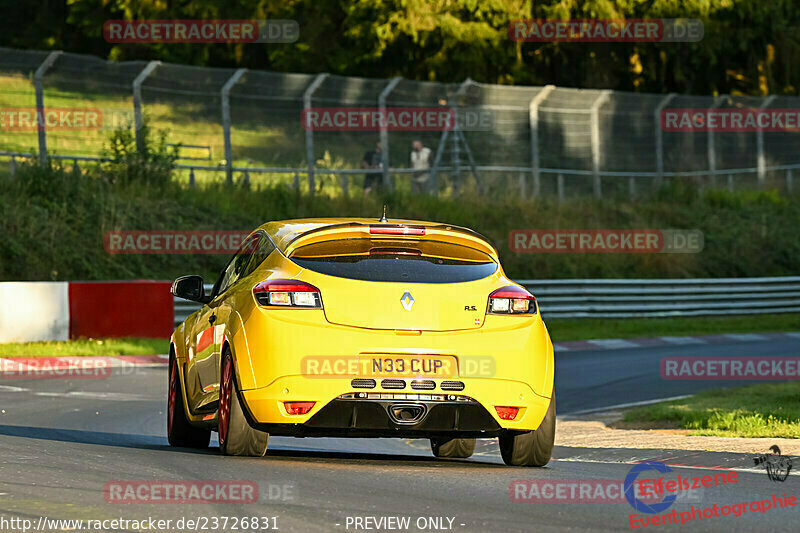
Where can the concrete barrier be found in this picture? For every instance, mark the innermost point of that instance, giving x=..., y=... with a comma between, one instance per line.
x=34, y=311
x=52, y=311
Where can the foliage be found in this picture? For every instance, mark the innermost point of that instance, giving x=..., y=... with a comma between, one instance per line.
x=152, y=165
x=54, y=220
x=748, y=47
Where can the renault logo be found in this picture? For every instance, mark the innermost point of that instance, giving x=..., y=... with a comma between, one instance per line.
x=407, y=300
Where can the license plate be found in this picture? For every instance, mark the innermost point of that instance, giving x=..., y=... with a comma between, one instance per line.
x=409, y=366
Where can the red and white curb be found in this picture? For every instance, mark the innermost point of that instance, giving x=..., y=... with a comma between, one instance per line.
x=620, y=344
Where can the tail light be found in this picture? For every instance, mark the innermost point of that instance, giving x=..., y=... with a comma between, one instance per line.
x=397, y=229
x=512, y=300
x=298, y=408
x=287, y=293
x=507, y=413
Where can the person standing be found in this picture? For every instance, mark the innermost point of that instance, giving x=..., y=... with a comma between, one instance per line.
x=373, y=160
x=421, y=163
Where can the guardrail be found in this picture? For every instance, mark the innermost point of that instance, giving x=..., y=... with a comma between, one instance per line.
x=629, y=298
x=656, y=298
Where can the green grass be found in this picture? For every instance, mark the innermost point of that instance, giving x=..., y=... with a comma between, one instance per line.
x=562, y=329
x=771, y=410
x=189, y=121
x=122, y=346
x=53, y=225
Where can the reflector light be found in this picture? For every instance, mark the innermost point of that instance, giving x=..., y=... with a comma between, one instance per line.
x=298, y=408
x=507, y=413
x=511, y=300
x=287, y=293
x=279, y=298
x=306, y=299
x=397, y=230
x=519, y=306
x=500, y=305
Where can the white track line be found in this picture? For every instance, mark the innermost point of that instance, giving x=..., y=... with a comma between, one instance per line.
x=624, y=405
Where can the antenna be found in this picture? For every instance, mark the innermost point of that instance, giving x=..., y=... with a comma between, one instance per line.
x=383, y=218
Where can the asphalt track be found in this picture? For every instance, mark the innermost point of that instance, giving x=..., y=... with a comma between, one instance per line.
x=62, y=440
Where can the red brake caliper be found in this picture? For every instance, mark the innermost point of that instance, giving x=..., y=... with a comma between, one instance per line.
x=225, y=399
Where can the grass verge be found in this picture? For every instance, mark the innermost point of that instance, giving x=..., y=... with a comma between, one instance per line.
x=770, y=411
x=85, y=347
x=562, y=329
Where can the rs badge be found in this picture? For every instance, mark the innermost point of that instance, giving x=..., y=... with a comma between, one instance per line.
x=407, y=300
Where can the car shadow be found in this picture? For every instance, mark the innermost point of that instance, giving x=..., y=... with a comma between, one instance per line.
x=151, y=442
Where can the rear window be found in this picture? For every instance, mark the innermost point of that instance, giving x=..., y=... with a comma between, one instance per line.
x=395, y=260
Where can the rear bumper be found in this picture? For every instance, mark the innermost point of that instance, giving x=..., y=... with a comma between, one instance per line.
x=470, y=412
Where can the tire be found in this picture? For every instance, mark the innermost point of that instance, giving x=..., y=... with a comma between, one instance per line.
x=179, y=431
x=530, y=448
x=236, y=437
x=453, y=448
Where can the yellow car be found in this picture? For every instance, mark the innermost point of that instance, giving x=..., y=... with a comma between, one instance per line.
x=339, y=327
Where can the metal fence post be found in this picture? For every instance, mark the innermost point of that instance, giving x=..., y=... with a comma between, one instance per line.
x=595, y=114
x=789, y=184
x=458, y=136
x=309, y=92
x=137, y=102
x=384, y=132
x=762, y=165
x=226, y=121
x=533, y=121
x=660, y=137
x=560, y=186
x=712, y=154
x=38, y=84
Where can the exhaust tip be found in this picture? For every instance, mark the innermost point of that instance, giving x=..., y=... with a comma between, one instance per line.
x=407, y=413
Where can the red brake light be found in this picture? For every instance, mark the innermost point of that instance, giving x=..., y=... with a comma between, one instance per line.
x=511, y=300
x=507, y=413
x=298, y=408
x=397, y=229
x=287, y=293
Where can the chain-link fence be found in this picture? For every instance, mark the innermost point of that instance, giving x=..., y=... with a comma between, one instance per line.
x=233, y=124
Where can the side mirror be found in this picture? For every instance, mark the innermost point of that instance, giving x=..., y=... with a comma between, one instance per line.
x=190, y=288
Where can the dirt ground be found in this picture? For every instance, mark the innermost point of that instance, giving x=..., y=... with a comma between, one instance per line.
x=605, y=430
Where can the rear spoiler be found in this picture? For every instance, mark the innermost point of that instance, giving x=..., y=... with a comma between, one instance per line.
x=356, y=230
